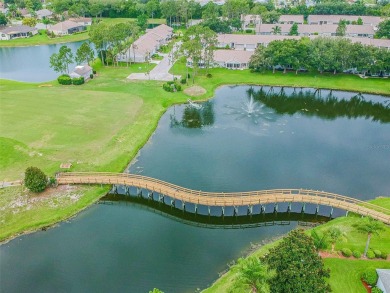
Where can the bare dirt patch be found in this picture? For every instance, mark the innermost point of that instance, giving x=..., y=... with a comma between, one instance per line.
x=195, y=91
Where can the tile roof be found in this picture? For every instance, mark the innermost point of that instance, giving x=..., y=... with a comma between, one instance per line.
x=233, y=56
x=374, y=20
x=82, y=69
x=17, y=29
x=291, y=18
x=64, y=26
x=44, y=12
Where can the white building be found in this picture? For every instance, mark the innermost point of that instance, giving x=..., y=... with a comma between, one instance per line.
x=18, y=31
x=82, y=71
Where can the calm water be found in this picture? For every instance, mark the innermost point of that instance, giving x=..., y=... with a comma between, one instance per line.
x=30, y=64
x=217, y=146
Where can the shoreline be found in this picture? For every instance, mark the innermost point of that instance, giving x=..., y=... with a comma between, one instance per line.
x=132, y=157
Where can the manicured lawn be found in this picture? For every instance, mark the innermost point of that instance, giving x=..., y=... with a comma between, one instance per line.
x=345, y=273
x=315, y=80
x=43, y=39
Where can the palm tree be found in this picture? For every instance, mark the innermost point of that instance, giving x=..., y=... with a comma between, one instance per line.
x=253, y=275
x=371, y=227
x=334, y=235
x=276, y=30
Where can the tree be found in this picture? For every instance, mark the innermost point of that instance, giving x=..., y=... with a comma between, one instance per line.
x=211, y=11
x=370, y=227
x=155, y=290
x=334, y=235
x=98, y=35
x=30, y=21
x=252, y=275
x=383, y=29
x=60, y=61
x=142, y=21
x=259, y=60
x=84, y=53
x=341, y=28
x=293, y=30
x=34, y=179
x=298, y=266
x=3, y=19
x=152, y=7
x=276, y=30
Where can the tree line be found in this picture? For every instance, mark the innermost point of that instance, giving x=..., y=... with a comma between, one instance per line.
x=321, y=54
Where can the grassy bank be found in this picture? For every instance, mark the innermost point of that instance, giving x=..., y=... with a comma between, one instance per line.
x=345, y=273
x=101, y=125
x=43, y=39
x=345, y=82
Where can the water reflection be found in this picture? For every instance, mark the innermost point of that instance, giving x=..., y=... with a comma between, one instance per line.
x=195, y=116
x=328, y=106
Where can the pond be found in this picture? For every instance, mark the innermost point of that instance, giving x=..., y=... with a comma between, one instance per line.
x=246, y=138
x=31, y=64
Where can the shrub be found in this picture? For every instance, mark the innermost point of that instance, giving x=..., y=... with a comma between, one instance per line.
x=172, y=86
x=94, y=71
x=35, y=180
x=384, y=255
x=209, y=75
x=249, y=31
x=78, y=80
x=91, y=76
x=370, y=276
x=377, y=253
x=178, y=87
x=188, y=75
x=370, y=254
x=183, y=81
x=64, y=79
x=376, y=290
x=356, y=254
x=346, y=252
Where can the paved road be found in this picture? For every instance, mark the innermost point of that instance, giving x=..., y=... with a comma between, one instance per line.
x=161, y=71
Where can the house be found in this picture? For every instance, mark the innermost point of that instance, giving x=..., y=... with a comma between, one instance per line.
x=383, y=282
x=44, y=14
x=82, y=20
x=147, y=45
x=248, y=42
x=82, y=71
x=248, y=20
x=66, y=27
x=232, y=59
x=335, y=19
x=24, y=12
x=379, y=43
x=291, y=19
x=326, y=30
x=18, y=31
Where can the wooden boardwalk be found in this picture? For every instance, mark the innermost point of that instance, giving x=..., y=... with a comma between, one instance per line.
x=234, y=199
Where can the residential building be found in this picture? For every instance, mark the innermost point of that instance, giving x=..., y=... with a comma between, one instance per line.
x=291, y=19
x=335, y=19
x=18, y=31
x=250, y=20
x=383, y=282
x=82, y=71
x=251, y=42
x=44, y=13
x=82, y=20
x=147, y=45
x=232, y=59
x=306, y=30
x=66, y=27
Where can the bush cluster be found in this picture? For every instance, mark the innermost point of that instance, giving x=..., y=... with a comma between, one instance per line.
x=384, y=255
x=78, y=80
x=172, y=86
x=64, y=79
x=356, y=254
x=376, y=290
x=35, y=180
x=209, y=75
x=183, y=81
x=346, y=252
x=370, y=254
x=370, y=276
x=378, y=253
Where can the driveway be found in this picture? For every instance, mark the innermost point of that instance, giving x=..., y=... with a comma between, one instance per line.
x=161, y=71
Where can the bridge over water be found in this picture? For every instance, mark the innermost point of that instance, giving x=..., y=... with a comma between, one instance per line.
x=220, y=199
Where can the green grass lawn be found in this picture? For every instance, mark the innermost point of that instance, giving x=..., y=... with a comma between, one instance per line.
x=315, y=80
x=345, y=273
x=43, y=39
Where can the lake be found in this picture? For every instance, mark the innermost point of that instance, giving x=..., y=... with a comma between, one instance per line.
x=31, y=64
x=246, y=138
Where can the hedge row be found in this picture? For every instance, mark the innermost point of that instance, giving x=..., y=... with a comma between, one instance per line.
x=67, y=80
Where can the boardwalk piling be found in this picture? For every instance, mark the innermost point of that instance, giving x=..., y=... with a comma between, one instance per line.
x=303, y=207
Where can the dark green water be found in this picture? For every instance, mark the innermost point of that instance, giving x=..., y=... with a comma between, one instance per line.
x=329, y=145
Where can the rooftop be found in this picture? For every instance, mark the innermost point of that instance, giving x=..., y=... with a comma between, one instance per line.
x=17, y=29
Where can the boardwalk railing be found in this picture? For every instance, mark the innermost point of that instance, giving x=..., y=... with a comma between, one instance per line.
x=248, y=198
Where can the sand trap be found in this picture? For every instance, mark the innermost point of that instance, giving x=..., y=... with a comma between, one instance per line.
x=195, y=91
